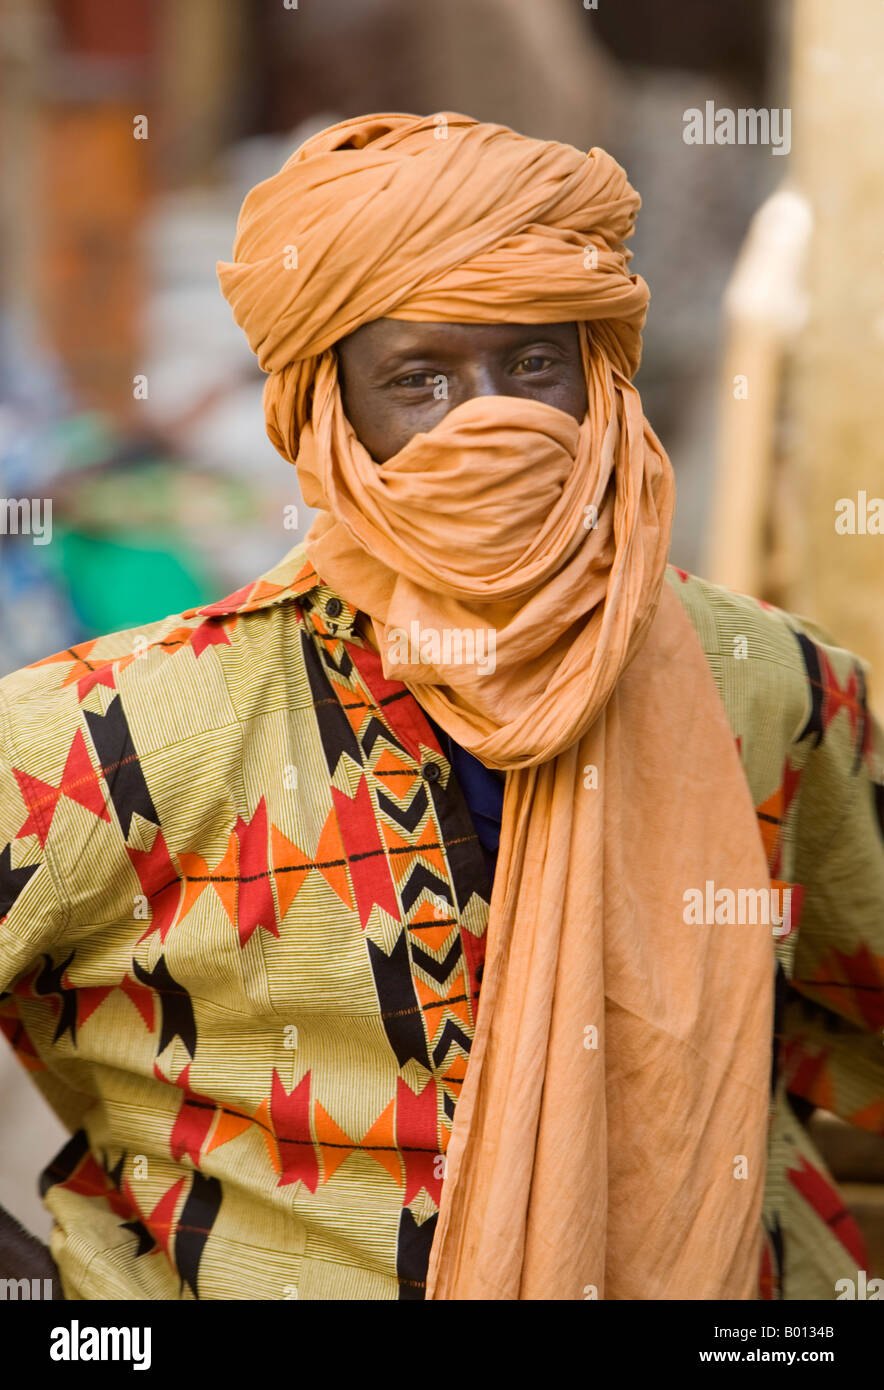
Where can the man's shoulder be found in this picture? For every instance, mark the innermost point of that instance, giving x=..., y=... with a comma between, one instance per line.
x=785, y=681
x=54, y=690
x=728, y=622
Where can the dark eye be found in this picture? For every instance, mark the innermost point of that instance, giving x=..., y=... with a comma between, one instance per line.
x=419, y=379
x=535, y=363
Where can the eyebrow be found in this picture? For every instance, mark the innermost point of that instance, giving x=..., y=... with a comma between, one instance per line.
x=398, y=359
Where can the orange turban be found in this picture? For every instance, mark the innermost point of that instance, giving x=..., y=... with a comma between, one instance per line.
x=437, y=218
x=572, y=1170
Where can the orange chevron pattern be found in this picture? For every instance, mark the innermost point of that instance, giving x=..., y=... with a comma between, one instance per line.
x=225, y=904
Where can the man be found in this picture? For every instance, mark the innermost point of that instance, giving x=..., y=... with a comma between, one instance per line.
x=407, y=924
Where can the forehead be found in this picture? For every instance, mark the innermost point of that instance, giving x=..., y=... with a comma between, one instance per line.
x=392, y=339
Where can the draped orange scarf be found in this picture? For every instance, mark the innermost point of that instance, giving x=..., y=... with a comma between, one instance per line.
x=610, y=1137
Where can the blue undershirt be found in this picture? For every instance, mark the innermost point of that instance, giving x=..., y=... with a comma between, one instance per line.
x=482, y=788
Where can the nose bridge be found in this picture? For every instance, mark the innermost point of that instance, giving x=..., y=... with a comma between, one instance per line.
x=484, y=377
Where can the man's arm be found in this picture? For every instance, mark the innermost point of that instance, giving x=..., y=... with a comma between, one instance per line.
x=833, y=1022
x=30, y=916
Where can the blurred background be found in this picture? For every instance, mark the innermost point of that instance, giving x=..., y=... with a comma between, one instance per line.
x=130, y=404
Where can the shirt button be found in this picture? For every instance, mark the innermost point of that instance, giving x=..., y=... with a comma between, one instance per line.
x=333, y=607
x=431, y=771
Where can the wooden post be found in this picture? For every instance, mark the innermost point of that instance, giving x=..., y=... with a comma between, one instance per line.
x=764, y=307
x=837, y=397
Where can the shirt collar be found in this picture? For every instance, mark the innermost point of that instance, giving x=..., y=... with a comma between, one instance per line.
x=292, y=577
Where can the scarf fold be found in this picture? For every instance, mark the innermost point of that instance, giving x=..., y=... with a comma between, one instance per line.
x=609, y=1140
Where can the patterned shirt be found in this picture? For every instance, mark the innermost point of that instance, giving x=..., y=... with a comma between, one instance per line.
x=242, y=915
